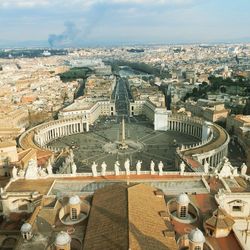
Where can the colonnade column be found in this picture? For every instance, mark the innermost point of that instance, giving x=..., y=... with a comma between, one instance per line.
x=182, y=128
x=212, y=161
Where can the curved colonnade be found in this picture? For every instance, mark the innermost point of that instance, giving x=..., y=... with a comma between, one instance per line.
x=214, y=139
x=214, y=151
x=185, y=124
x=213, y=145
x=39, y=136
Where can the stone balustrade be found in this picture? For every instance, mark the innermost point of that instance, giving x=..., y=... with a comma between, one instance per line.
x=121, y=174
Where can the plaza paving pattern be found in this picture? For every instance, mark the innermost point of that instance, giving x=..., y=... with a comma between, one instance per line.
x=155, y=145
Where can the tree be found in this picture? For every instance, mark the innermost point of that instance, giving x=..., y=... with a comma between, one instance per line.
x=223, y=89
x=186, y=97
x=247, y=91
x=204, y=84
x=246, y=109
x=195, y=91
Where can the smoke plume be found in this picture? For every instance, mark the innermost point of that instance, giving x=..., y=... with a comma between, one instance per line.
x=67, y=37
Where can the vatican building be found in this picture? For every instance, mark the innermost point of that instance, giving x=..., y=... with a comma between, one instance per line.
x=116, y=168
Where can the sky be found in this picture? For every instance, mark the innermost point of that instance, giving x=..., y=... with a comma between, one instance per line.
x=102, y=22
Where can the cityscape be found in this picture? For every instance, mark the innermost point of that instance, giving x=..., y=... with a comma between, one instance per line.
x=137, y=141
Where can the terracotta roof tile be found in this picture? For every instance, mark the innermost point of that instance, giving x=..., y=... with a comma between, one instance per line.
x=132, y=221
x=220, y=219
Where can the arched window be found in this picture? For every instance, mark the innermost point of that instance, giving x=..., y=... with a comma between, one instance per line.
x=197, y=248
x=74, y=214
x=183, y=211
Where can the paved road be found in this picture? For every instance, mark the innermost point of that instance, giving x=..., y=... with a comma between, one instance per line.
x=122, y=99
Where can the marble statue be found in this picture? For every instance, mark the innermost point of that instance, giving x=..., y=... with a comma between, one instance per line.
x=49, y=169
x=1, y=190
x=67, y=161
x=127, y=166
x=138, y=167
x=104, y=167
x=225, y=169
x=41, y=172
x=32, y=170
x=73, y=168
x=14, y=172
x=182, y=167
x=39, y=169
x=21, y=173
x=117, y=168
x=152, y=167
x=206, y=167
x=235, y=172
x=63, y=164
x=243, y=169
x=94, y=170
x=160, y=167
x=71, y=155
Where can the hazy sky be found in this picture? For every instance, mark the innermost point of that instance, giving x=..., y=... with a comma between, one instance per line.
x=115, y=21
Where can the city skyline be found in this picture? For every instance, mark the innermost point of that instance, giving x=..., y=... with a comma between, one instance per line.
x=100, y=22
x=124, y=124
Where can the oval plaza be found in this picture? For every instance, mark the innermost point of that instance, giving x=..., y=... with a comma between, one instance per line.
x=211, y=147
